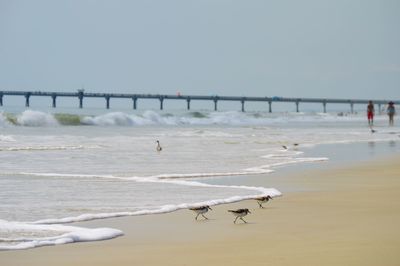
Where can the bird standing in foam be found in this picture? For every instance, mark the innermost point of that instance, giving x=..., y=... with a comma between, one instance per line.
x=158, y=148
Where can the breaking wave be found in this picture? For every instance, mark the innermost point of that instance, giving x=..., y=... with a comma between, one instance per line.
x=31, y=118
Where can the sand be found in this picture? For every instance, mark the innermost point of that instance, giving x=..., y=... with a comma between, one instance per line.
x=347, y=216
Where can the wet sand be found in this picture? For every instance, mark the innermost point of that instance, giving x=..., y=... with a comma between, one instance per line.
x=344, y=216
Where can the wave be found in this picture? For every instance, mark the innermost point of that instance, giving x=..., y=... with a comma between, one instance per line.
x=68, y=119
x=42, y=148
x=7, y=138
x=33, y=118
x=4, y=120
x=64, y=235
x=167, y=179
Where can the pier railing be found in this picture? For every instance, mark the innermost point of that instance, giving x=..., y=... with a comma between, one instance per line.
x=81, y=94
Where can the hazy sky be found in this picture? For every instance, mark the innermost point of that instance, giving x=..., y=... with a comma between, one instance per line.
x=341, y=49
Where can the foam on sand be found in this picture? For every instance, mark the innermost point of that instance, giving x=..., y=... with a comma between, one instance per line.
x=38, y=231
x=64, y=235
x=256, y=192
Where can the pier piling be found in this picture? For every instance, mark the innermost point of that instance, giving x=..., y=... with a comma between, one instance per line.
x=215, y=104
x=27, y=96
x=53, y=97
x=80, y=96
x=134, y=99
x=108, y=102
x=161, y=103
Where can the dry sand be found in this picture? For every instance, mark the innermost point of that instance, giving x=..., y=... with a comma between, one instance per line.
x=349, y=216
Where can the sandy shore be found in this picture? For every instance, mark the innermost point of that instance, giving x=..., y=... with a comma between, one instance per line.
x=348, y=216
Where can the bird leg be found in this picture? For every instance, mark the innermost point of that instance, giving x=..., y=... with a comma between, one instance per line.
x=235, y=219
x=243, y=220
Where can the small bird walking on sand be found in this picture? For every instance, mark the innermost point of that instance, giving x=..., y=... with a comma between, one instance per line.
x=201, y=210
x=261, y=200
x=158, y=148
x=239, y=213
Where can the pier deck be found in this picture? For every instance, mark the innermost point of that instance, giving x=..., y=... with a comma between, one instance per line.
x=81, y=94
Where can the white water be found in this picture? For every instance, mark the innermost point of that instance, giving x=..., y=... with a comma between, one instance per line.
x=108, y=166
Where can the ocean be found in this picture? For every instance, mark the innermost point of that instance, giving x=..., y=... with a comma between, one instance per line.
x=58, y=167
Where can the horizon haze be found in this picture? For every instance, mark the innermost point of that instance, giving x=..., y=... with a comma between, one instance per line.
x=316, y=49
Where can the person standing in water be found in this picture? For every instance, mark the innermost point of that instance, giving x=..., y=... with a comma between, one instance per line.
x=391, y=111
x=370, y=113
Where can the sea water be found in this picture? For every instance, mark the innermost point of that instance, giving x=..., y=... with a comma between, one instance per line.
x=59, y=168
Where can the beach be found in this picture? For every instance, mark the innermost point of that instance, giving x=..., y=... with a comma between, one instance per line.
x=139, y=132
x=348, y=215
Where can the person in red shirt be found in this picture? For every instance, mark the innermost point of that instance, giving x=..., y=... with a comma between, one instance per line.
x=370, y=113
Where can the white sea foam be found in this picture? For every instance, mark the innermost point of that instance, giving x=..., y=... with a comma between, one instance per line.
x=36, y=119
x=70, y=234
x=3, y=120
x=110, y=119
x=63, y=235
x=261, y=191
x=256, y=192
x=42, y=148
x=7, y=138
x=233, y=118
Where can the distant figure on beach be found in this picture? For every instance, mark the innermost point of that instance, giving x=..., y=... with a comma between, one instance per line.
x=370, y=113
x=391, y=111
x=158, y=148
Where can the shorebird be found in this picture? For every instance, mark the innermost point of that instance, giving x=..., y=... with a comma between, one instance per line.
x=201, y=210
x=295, y=145
x=239, y=213
x=158, y=148
x=260, y=200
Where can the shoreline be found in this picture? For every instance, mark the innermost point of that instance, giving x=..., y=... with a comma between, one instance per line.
x=347, y=216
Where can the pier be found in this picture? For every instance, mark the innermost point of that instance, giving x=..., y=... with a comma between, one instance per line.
x=242, y=100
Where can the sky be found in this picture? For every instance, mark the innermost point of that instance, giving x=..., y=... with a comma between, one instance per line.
x=310, y=48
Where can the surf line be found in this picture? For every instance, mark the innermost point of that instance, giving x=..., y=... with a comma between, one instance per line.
x=262, y=191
